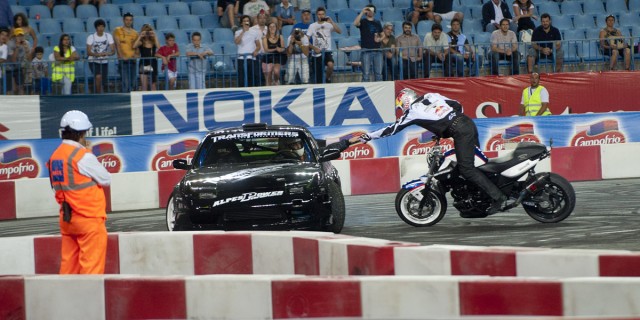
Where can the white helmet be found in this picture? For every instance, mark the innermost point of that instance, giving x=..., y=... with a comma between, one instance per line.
x=404, y=100
x=76, y=120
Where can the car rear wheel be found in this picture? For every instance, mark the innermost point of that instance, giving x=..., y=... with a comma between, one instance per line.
x=171, y=215
x=336, y=220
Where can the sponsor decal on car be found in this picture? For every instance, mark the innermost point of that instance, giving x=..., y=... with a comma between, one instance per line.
x=256, y=134
x=523, y=132
x=17, y=163
x=248, y=197
x=601, y=132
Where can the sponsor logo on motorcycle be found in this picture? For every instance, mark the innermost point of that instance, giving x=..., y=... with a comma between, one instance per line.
x=248, y=197
x=18, y=163
x=423, y=143
x=602, y=132
x=107, y=157
x=518, y=133
x=359, y=151
x=163, y=160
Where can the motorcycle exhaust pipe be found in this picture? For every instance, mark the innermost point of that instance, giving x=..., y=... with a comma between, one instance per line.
x=529, y=189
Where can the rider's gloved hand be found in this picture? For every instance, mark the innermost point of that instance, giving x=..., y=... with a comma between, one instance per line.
x=364, y=138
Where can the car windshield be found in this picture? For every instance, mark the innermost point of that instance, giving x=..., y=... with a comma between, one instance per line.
x=254, y=147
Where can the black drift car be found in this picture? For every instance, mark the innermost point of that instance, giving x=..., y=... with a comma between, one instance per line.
x=259, y=177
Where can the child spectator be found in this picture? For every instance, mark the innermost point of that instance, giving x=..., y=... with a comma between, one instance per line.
x=40, y=72
x=168, y=54
x=197, y=54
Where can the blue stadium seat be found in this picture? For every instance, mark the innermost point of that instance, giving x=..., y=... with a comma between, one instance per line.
x=423, y=27
x=629, y=19
x=39, y=10
x=113, y=23
x=287, y=29
x=574, y=34
x=90, y=24
x=145, y=1
x=358, y=4
x=593, y=33
x=167, y=23
x=201, y=8
x=110, y=10
x=134, y=8
x=341, y=60
x=402, y=4
x=635, y=31
x=570, y=49
x=120, y=2
x=354, y=32
x=476, y=12
x=571, y=7
x=397, y=28
x=84, y=11
x=44, y=40
x=392, y=14
x=382, y=4
x=29, y=3
x=589, y=51
x=138, y=22
x=19, y=9
x=562, y=22
x=189, y=22
x=347, y=15
x=182, y=38
x=50, y=26
x=155, y=9
x=616, y=6
x=230, y=48
x=551, y=8
x=73, y=25
x=348, y=42
x=335, y=5
x=595, y=7
x=584, y=21
x=62, y=11
x=472, y=25
x=223, y=35
x=317, y=3
x=206, y=35
x=634, y=5
x=210, y=22
x=179, y=9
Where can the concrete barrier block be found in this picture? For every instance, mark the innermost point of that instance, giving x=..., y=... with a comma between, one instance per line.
x=12, y=295
x=333, y=254
x=18, y=256
x=381, y=175
x=157, y=253
x=409, y=297
x=422, y=261
x=577, y=163
x=272, y=253
x=129, y=297
x=344, y=170
x=222, y=253
x=620, y=265
x=65, y=297
x=620, y=160
x=134, y=191
x=35, y=198
x=559, y=263
x=602, y=297
x=8, y=200
x=316, y=297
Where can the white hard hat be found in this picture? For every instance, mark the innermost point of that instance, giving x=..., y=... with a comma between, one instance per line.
x=76, y=120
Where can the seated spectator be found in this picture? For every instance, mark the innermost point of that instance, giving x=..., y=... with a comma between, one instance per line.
x=275, y=55
x=147, y=44
x=249, y=44
x=284, y=14
x=64, y=70
x=197, y=54
x=168, y=53
x=253, y=7
x=409, y=50
x=436, y=50
x=419, y=10
x=20, y=20
x=304, y=24
x=321, y=45
x=20, y=61
x=388, y=44
x=493, y=12
x=298, y=54
x=40, y=72
x=504, y=46
x=462, y=51
x=227, y=13
x=546, y=43
x=525, y=14
x=613, y=45
x=443, y=9
x=100, y=45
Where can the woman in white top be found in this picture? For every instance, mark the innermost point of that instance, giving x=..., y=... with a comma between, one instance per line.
x=100, y=45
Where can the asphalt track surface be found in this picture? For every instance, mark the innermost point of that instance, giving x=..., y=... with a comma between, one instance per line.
x=607, y=216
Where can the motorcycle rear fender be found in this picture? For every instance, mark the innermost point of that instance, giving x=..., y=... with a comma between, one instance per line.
x=520, y=168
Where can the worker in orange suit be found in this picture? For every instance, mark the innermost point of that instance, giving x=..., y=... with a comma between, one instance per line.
x=78, y=180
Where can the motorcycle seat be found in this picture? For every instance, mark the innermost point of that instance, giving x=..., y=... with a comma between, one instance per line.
x=499, y=164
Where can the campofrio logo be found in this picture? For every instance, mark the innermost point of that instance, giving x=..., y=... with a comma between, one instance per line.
x=357, y=151
x=518, y=133
x=422, y=143
x=165, y=155
x=107, y=156
x=602, y=132
x=18, y=163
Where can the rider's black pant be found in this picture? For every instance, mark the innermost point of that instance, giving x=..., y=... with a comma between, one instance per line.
x=465, y=137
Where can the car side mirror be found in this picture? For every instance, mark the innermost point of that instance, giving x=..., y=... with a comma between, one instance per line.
x=321, y=143
x=180, y=164
x=329, y=154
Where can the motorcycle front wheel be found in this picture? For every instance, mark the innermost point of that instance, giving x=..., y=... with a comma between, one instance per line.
x=408, y=208
x=553, y=202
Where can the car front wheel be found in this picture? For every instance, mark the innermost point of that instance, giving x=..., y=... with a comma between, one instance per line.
x=171, y=215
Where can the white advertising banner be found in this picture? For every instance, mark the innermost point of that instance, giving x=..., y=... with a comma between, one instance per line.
x=20, y=117
x=306, y=105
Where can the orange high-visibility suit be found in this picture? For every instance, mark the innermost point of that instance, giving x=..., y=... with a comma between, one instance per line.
x=84, y=238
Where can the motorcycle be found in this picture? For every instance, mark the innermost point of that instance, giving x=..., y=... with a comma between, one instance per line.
x=546, y=197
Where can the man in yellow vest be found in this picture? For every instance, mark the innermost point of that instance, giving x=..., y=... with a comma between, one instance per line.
x=78, y=180
x=535, y=99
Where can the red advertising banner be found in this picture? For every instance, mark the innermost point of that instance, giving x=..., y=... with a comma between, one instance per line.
x=500, y=96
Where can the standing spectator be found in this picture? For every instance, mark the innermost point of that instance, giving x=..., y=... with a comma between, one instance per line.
x=260, y=26
x=284, y=14
x=78, y=180
x=461, y=51
x=100, y=45
x=419, y=10
x=20, y=20
x=298, y=53
x=370, y=30
x=504, y=46
x=65, y=56
x=493, y=12
x=227, y=13
x=125, y=36
x=525, y=13
x=436, y=47
x=40, y=72
x=303, y=25
x=147, y=43
x=20, y=58
x=274, y=49
x=4, y=54
x=197, y=54
x=410, y=51
x=322, y=45
x=535, y=99
x=254, y=7
x=443, y=9
x=168, y=53
x=6, y=15
x=545, y=37
x=613, y=44
x=390, y=51
x=248, y=42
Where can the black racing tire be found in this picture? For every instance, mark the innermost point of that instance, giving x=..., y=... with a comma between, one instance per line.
x=170, y=215
x=336, y=220
x=553, y=202
x=432, y=212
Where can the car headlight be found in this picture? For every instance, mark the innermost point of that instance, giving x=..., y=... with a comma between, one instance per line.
x=296, y=190
x=207, y=195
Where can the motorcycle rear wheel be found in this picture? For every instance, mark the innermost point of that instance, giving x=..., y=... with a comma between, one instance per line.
x=407, y=207
x=553, y=202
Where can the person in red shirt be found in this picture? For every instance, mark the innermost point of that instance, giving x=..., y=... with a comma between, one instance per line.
x=168, y=54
